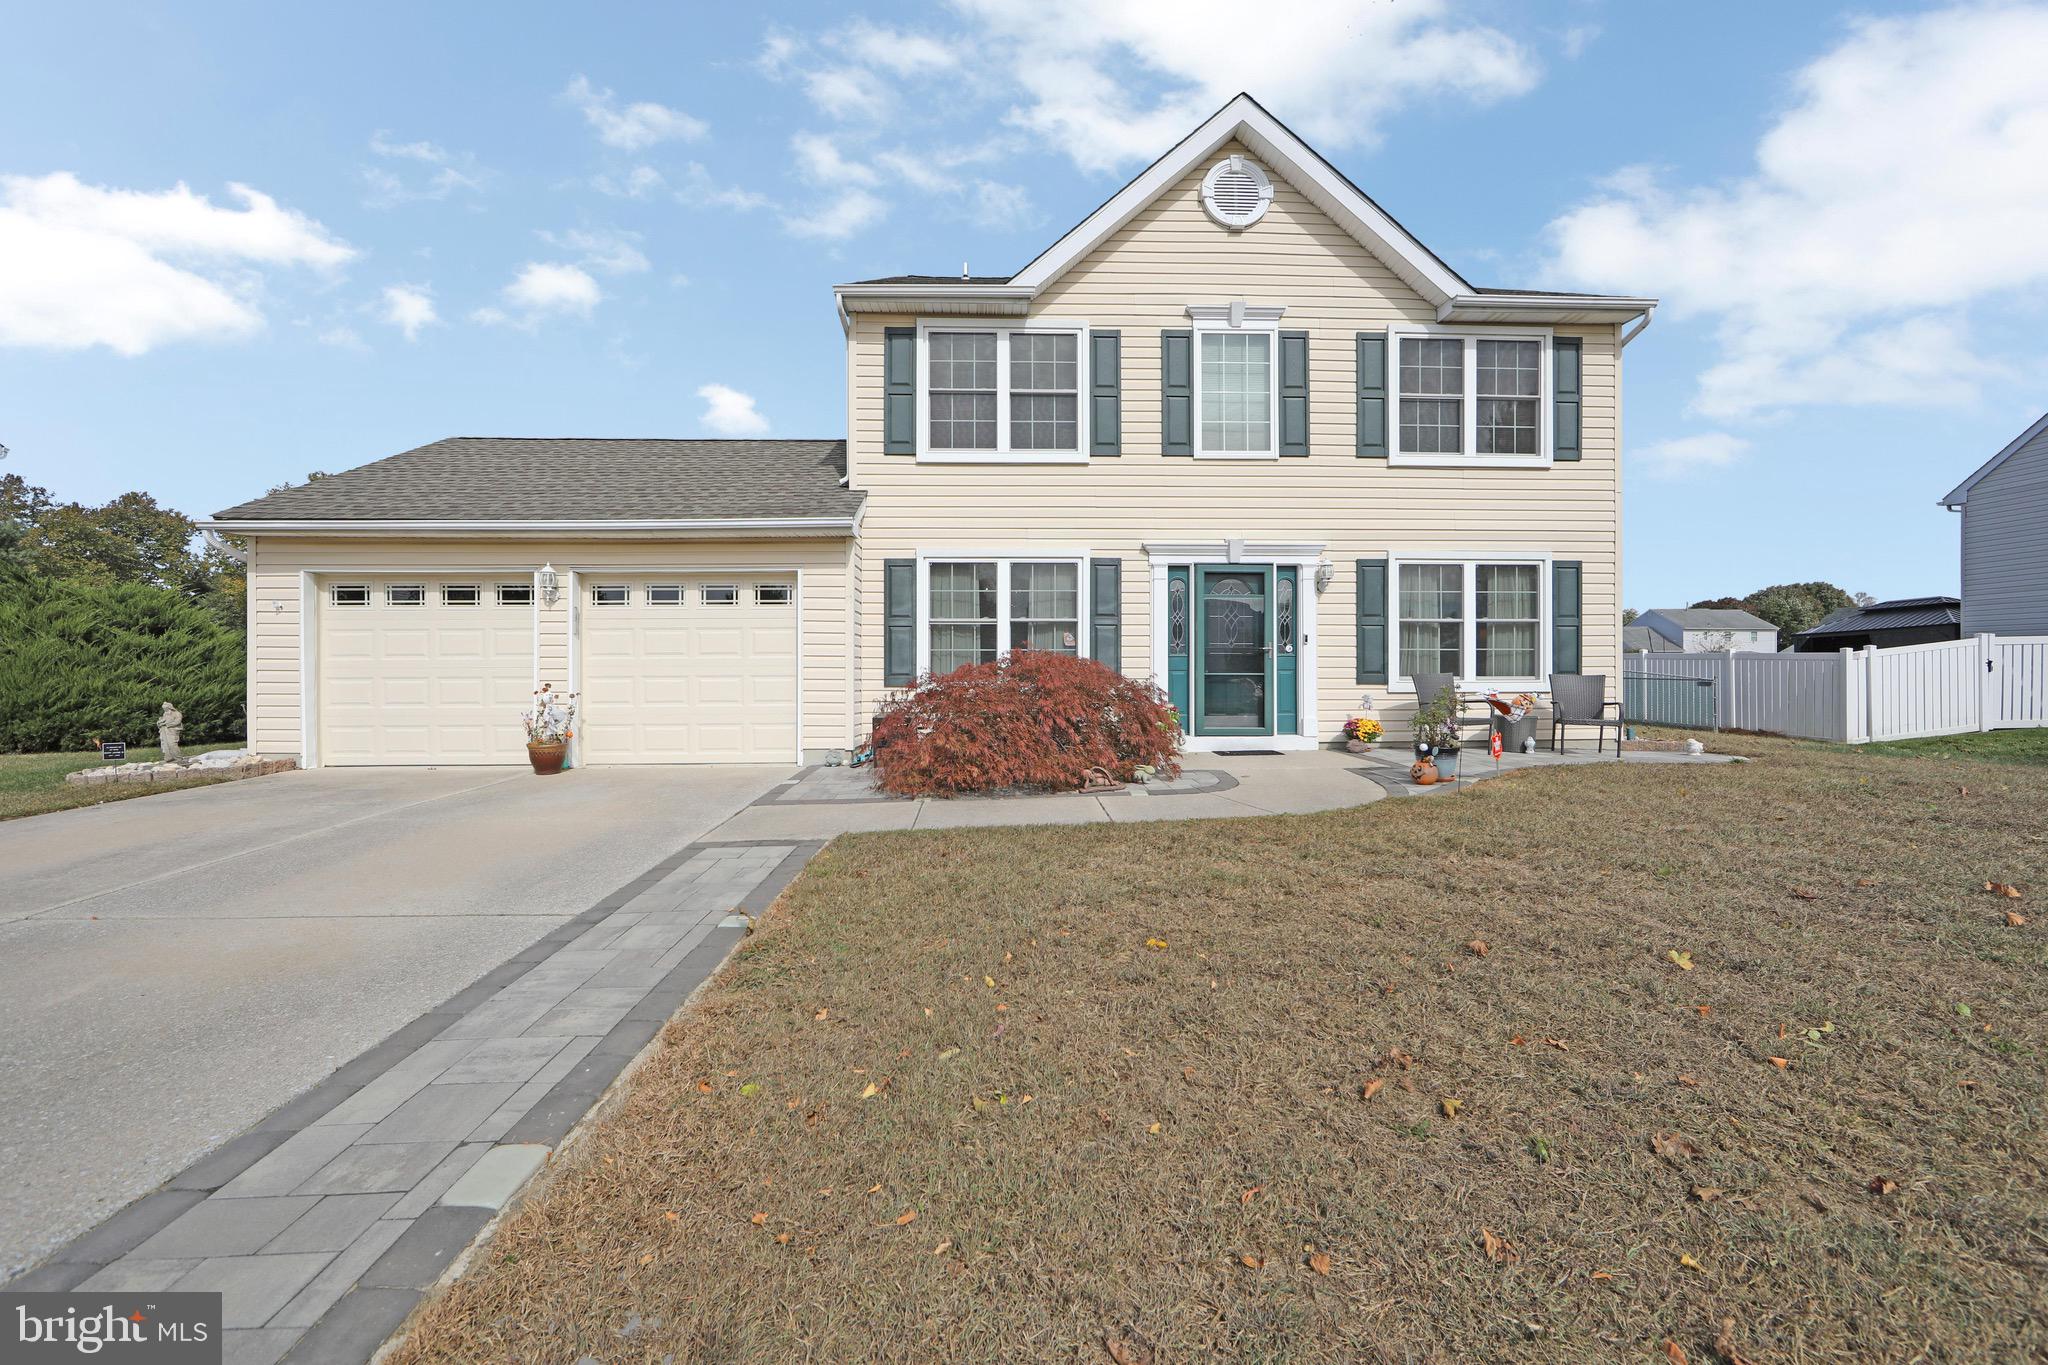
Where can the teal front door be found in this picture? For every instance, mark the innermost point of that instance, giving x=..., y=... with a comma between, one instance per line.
x=1233, y=653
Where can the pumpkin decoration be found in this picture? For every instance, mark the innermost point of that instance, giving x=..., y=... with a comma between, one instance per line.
x=1423, y=772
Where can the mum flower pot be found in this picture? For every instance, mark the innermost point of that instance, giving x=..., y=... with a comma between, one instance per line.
x=547, y=758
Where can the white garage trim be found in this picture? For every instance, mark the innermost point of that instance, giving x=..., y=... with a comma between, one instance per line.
x=576, y=627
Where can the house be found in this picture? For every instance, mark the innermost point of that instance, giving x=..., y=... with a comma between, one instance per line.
x=1640, y=640
x=1710, y=630
x=2004, y=506
x=1238, y=431
x=1903, y=621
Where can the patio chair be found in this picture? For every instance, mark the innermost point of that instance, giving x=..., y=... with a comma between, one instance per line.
x=1581, y=699
x=1428, y=685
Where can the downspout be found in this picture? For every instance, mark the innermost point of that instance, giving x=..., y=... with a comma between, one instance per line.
x=215, y=543
x=1632, y=333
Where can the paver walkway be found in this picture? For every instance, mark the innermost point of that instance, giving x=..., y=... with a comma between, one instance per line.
x=322, y=1226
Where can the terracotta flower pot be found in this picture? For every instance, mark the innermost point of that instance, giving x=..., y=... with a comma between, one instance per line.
x=547, y=758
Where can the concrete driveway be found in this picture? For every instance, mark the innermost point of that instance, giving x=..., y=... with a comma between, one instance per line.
x=175, y=967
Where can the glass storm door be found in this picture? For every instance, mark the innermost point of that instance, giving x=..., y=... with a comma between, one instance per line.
x=1233, y=663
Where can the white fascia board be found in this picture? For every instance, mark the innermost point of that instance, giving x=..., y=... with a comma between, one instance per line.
x=823, y=526
x=1569, y=308
x=1280, y=150
x=1960, y=494
x=973, y=300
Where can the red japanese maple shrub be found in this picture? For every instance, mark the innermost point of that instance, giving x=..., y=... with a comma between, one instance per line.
x=1032, y=719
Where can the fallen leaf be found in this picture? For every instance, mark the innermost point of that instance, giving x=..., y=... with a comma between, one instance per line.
x=1400, y=1058
x=1557, y=1043
x=821, y=1014
x=1478, y=947
x=751, y=1089
x=782, y=1239
x=1155, y=943
x=1673, y=1147
x=1127, y=1350
x=1703, y=1010
x=1518, y=1041
x=1674, y=1352
x=672, y=1216
x=1682, y=961
x=1706, y=1194
x=1371, y=1087
x=949, y=1052
x=1684, y=1079
x=1320, y=1263
x=1879, y=1185
x=1153, y=1129
x=1249, y=1194
x=1724, y=1345
x=647, y=1259
x=1450, y=1107
x=1686, y=1260
x=1803, y=894
x=2002, y=889
x=943, y=1247
x=1781, y=1062
x=1251, y=1262
x=1866, y=881
x=703, y=1087
x=870, y=1090
x=1499, y=1250
x=874, y=1189
x=2014, y=918
x=760, y=1219
x=1601, y=1275
x=989, y=981
x=906, y=1218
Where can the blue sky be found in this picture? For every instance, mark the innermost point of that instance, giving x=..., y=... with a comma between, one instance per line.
x=625, y=220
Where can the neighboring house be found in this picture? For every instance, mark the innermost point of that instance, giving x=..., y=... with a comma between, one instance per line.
x=2005, y=538
x=1709, y=630
x=1903, y=621
x=1237, y=431
x=1640, y=640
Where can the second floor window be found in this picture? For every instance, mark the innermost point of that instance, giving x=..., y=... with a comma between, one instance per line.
x=1003, y=393
x=1470, y=399
x=1237, y=392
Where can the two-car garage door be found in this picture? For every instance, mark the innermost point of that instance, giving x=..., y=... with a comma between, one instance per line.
x=675, y=668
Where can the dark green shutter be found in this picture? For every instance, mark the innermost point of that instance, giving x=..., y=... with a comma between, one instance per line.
x=1372, y=395
x=1565, y=354
x=1294, y=393
x=1106, y=393
x=1177, y=393
x=1106, y=611
x=899, y=391
x=1372, y=621
x=1566, y=586
x=899, y=617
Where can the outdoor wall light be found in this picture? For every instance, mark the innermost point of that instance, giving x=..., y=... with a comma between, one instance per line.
x=550, y=585
x=1325, y=571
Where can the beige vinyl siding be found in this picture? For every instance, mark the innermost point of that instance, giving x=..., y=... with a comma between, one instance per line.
x=1141, y=281
x=277, y=563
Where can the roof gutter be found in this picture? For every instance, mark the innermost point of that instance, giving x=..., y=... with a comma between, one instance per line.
x=783, y=526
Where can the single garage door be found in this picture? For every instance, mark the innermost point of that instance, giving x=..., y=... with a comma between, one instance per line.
x=697, y=668
x=424, y=670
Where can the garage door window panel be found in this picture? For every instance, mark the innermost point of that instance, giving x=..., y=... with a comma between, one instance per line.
x=350, y=595
x=406, y=595
x=610, y=595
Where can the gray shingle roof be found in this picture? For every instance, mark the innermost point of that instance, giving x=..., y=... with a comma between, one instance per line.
x=969, y=280
x=1894, y=615
x=1713, y=618
x=1638, y=639
x=513, y=479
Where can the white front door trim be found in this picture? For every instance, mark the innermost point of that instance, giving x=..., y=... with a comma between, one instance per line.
x=1301, y=557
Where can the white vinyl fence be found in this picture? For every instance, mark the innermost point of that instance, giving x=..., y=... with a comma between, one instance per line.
x=1986, y=682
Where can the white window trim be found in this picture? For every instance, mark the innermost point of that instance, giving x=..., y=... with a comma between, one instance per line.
x=1468, y=642
x=1083, y=602
x=1262, y=319
x=1468, y=440
x=1002, y=454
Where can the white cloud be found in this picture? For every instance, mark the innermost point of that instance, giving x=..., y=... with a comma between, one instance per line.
x=1905, y=185
x=633, y=126
x=636, y=183
x=84, y=265
x=342, y=338
x=819, y=159
x=1578, y=38
x=409, y=308
x=701, y=190
x=856, y=73
x=541, y=290
x=1683, y=455
x=1114, y=84
x=446, y=172
x=729, y=412
x=606, y=250
x=839, y=217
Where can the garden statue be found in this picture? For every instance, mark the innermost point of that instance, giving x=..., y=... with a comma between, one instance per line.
x=169, y=726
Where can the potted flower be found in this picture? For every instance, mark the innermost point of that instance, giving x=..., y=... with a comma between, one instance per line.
x=550, y=725
x=1436, y=736
x=1361, y=733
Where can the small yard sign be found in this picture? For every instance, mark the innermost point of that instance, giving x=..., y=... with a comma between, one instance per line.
x=113, y=750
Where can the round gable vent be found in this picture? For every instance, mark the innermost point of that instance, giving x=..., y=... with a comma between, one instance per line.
x=1235, y=192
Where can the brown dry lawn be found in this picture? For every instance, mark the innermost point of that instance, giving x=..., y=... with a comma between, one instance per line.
x=1123, y=1151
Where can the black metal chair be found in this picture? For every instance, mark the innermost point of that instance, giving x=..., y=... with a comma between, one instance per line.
x=1581, y=699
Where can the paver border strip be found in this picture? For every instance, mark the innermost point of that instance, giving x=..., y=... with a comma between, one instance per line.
x=142, y=1217
x=1224, y=782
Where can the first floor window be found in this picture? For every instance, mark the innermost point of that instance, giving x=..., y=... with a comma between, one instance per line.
x=963, y=615
x=1237, y=392
x=1480, y=621
x=1045, y=607
x=1432, y=618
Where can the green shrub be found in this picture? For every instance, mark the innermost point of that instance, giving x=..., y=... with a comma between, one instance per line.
x=81, y=660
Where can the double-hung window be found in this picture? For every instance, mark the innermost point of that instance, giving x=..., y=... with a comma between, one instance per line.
x=1481, y=620
x=1237, y=369
x=976, y=609
x=1002, y=393
x=1466, y=398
